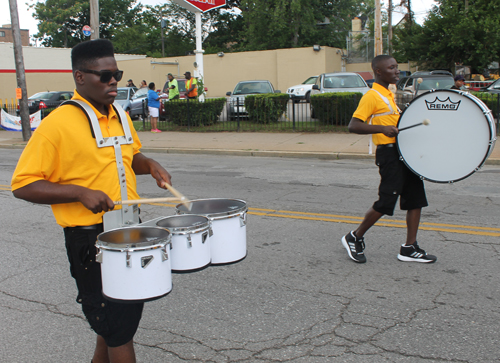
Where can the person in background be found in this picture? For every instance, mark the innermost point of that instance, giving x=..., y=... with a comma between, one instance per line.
x=153, y=107
x=130, y=83
x=377, y=114
x=173, y=88
x=144, y=84
x=62, y=166
x=191, y=86
x=459, y=82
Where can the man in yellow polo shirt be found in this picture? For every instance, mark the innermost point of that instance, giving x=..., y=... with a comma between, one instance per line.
x=62, y=166
x=378, y=114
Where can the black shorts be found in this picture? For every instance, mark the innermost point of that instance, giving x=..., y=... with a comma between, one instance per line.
x=117, y=323
x=397, y=181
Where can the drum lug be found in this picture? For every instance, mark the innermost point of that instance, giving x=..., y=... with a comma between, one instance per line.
x=164, y=253
x=210, y=230
x=129, y=262
x=98, y=256
x=243, y=220
x=190, y=244
x=204, y=237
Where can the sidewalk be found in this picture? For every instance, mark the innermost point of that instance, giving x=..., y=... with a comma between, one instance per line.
x=298, y=145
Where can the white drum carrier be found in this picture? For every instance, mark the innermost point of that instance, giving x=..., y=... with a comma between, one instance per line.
x=456, y=143
x=190, y=241
x=135, y=263
x=228, y=216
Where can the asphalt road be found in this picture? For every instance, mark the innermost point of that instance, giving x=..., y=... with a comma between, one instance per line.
x=297, y=297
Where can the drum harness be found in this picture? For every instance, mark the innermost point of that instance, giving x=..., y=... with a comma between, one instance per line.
x=129, y=214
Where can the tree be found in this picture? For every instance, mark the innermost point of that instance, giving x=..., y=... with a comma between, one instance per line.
x=453, y=33
x=61, y=21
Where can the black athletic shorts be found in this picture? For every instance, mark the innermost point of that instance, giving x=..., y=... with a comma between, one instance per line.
x=397, y=181
x=117, y=323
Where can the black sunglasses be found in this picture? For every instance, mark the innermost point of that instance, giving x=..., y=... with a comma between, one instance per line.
x=105, y=75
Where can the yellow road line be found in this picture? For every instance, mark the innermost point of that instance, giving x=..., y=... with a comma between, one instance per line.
x=336, y=218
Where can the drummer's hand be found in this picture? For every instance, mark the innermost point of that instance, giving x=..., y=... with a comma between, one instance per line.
x=161, y=175
x=96, y=201
x=390, y=131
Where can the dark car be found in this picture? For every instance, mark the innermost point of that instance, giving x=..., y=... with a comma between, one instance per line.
x=236, y=100
x=408, y=88
x=42, y=100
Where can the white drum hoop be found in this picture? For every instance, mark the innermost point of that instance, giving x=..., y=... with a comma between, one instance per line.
x=214, y=208
x=185, y=224
x=456, y=143
x=123, y=240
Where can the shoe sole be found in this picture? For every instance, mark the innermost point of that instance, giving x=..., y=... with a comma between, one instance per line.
x=348, y=249
x=411, y=259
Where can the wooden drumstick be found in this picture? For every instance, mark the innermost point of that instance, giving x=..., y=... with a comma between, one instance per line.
x=425, y=122
x=182, y=198
x=150, y=200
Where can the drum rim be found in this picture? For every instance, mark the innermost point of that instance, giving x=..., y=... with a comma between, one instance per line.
x=188, y=229
x=491, y=131
x=137, y=246
x=219, y=215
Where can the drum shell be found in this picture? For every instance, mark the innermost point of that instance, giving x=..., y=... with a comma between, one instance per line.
x=190, y=241
x=135, y=271
x=228, y=216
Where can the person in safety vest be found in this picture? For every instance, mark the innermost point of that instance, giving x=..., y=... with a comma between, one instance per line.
x=191, y=86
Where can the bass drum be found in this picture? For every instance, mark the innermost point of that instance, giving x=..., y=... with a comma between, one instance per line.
x=457, y=141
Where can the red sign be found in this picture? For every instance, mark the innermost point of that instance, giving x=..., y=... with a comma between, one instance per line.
x=201, y=5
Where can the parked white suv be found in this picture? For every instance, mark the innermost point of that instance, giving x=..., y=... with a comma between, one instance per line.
x=340, y=82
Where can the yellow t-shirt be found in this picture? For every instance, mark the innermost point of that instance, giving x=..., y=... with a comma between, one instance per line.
x=63, y=151
x=371, y=104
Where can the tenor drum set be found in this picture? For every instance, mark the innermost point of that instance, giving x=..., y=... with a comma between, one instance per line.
x=137, y=261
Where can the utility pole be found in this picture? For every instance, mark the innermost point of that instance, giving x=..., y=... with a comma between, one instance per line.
x=162, y=26
x=20, y=72
x=94, y=19
x=389, y=26
x=378, y=49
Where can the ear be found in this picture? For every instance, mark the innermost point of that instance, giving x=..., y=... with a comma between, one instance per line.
x=79, y=77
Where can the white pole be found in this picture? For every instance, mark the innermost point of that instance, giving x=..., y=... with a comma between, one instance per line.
x=198, y=72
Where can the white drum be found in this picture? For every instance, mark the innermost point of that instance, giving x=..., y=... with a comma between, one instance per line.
x=228, y=216
x=135, y=263
x=190, y=241
x=457, y=141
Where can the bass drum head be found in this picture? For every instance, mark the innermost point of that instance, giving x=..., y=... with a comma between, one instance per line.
x=457, y=140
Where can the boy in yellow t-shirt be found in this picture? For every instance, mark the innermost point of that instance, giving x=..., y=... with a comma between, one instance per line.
x=378, y=114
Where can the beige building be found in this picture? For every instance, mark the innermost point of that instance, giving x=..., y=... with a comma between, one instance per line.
x=50, y=68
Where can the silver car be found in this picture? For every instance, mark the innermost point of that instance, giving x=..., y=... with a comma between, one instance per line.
x=136, y=103
x=236, y=100
x=125, y=96
x=340, y=82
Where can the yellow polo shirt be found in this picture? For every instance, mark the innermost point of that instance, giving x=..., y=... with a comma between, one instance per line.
x=63, y=151
x=371, y=104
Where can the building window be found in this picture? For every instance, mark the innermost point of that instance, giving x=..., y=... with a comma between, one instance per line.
x=2, y=34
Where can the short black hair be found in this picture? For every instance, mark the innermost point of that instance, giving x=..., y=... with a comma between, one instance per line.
x=90, y=51
x=379, y=59
x=152, y=85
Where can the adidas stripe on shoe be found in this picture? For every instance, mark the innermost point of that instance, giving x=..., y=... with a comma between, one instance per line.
x=354, y=247
x=414, y=253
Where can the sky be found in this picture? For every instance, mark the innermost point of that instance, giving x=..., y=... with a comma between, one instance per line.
x=26, y=21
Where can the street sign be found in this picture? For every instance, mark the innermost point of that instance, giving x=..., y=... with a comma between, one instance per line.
x=87, y=30
x=200, y=5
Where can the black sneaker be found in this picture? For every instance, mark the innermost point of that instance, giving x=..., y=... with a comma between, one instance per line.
x=414, y=253
x=354, y=247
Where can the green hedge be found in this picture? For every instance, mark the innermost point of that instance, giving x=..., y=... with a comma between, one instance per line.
x=200, y=113
x=335, y=108
x=490, y=99
x=267, y=107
